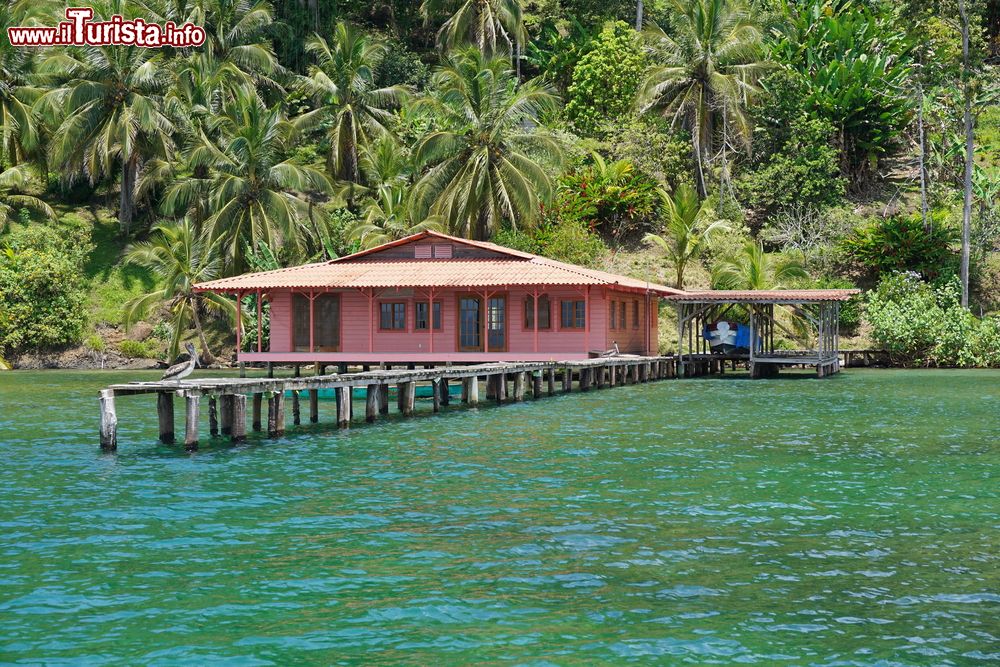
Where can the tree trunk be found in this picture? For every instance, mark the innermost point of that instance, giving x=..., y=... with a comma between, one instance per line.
x=638, y=15
x=969, y=146
x=923, y=160
x=206, y=354
x=127, y=195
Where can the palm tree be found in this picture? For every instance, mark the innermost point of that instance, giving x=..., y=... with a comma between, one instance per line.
x=484, y=162
x=710, y=66
x=254, y=193
x=493, y=26
x=113, y=117
x=754, y=269
x=18, y=125
x=179, y=257
x=390, y=216
x=12, y=200
x=352, y=108
x=686, y=230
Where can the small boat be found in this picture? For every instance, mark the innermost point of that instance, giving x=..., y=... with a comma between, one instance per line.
x=727, y=337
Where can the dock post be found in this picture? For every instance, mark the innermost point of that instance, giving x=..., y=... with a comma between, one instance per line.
x=600, y=370
x=344, y=406
x=612, y=376
x=239, y=417
x=585, y=374
x=519, y=386
x=407, y=394
x=276, y=414
x=551, y=372
x=165, y=412
x=465, y=390
x=567, y=379
x=257, y=398
x=473, y=398
x=314, y=405
x=109, y=421
x=226, y=414
x=213, y=416
x=243, y=369
x=372, y=403
x=383, y=399
x=296, y=409
x=192, y=401
x=536, y=385
x=491, y=391
x=436, y=395
x=445, y=392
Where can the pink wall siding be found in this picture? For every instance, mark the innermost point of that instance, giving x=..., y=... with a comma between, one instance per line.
x=357, y=316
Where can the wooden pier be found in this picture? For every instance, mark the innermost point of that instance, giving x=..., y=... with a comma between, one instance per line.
x=227, y=398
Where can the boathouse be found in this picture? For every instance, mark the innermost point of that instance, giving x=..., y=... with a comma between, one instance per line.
x=434, y=298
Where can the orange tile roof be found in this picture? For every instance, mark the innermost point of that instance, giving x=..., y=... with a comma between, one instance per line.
x=344, y=272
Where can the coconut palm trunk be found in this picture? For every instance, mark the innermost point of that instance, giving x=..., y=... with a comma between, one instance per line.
x=206, y=354
x=969, y=147
x=125, y=210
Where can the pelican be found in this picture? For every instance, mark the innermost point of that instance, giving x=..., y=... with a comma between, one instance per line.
x=182, y=370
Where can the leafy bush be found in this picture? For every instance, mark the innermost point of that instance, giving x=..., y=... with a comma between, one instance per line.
x=803, y=172
x=401, y=66
x=615, y=199
x=901, y=243
x=653, y=150
x=570, y=241
x=555, y=53
x=517, y=239
x=922, y=324
x=136, y=349
x=606, y=79
x=95, y=343
x=41, y=290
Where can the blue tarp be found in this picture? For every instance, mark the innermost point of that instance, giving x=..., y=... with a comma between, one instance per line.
x=741, y=339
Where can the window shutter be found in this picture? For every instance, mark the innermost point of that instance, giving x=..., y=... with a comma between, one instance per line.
x=422, y=251
x=442, y=251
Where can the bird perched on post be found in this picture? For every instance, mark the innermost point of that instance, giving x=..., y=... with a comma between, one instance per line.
x=182, y=370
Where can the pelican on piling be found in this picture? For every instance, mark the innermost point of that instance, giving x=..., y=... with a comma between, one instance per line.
x=182, y=370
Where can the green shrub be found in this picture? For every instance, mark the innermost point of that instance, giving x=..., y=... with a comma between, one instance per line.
x=922, y=324
x=901, y=243
x=570, y=241
x=95, y=343
x=804, y=172
x=41, y=290
x=517, y=239
x=615, y=199
x=606, y=79
x=653, y=149
x=136, y=349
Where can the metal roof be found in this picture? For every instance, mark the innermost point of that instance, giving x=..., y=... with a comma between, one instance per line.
x=765, y=296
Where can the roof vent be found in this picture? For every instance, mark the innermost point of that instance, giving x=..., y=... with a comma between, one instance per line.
x=442, y=251
x=422, y=251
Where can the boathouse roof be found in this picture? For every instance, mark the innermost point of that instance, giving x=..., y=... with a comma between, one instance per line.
x=788, y=296
x=479, y=264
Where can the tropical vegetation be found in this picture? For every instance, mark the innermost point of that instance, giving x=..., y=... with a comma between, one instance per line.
x=731, y=143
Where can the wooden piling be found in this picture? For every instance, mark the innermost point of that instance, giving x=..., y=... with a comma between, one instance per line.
x=213, y=417
x=599, y=372
x=585, y=375
x=257, y=400
x=239, y=418
x=109, y=421
x=518, y=387
x=383, y=399
x=296, y=410
x=314, y=405
x=372, y=403
x=226, y=414
x=276, y=414
x=567, y=379
x=165, y=413
x=343, y=407
x=436, y=395
x=536, y=385
x=408, y=394
x=192, y=401
x=550, y=374
x=473, y=391
x=445, y=391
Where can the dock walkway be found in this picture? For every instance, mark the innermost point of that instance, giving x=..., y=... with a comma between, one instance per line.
x=227, y=397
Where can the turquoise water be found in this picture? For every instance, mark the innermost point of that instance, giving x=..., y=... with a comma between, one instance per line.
x=848, y=521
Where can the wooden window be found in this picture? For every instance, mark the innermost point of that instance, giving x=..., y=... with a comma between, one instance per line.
x=613, y=310
x=635, y=314
x=420, y=316
x=573, y=314
x=422, y=251
x=621, y=315
x=544, y=312
x=442, y=251
x=392, y=316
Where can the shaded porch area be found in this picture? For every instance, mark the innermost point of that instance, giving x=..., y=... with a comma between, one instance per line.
x=718, y=326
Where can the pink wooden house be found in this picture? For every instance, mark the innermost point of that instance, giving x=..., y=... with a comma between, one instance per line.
x=431, y=297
